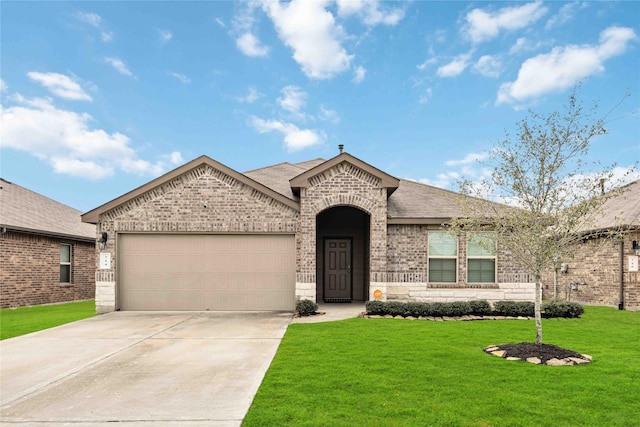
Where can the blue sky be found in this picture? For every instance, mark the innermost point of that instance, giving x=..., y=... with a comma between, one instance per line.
x=100, y=97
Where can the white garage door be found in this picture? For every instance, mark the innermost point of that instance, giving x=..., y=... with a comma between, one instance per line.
x=206, y=272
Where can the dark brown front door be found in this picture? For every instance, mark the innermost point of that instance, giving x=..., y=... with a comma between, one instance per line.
x=337, y=270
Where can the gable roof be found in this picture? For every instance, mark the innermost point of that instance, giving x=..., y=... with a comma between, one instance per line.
x=27, y=211
x=409, y=202
x=621, y=210
x=387, y=181
x=94, y=215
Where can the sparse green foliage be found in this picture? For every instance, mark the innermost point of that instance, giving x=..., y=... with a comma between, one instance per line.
x=551, y=196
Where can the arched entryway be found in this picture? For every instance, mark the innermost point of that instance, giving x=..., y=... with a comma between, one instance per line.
x=342, y=254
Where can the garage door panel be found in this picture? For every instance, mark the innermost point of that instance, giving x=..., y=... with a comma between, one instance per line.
x=206, y=272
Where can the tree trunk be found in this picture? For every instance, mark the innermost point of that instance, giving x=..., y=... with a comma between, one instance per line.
x=538, y=309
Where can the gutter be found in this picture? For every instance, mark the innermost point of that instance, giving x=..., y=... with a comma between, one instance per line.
x=6, y=228
x=621, y=275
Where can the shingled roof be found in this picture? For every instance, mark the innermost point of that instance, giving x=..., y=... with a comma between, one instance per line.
x=24, y=210
x=621, y=210
x=411, y=202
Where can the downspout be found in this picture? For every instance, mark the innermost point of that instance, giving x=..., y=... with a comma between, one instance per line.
x=621, y=275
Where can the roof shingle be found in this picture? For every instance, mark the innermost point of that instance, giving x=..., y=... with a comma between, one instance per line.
x=24, y=210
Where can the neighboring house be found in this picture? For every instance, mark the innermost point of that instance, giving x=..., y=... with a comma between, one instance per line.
x=604, y=268
x=205, y=237
x=47, y=252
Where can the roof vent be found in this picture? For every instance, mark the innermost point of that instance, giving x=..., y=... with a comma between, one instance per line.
x=340, y=147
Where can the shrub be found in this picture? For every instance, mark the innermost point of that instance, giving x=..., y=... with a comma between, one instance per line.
x=562, y=309
x=306, y=307
x=514, y=308
x=397, y=308
x=376, y=307
x=480, y=307
x=462, y=308
x=457, y=308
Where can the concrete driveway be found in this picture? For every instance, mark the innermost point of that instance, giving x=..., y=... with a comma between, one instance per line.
x=140, y=369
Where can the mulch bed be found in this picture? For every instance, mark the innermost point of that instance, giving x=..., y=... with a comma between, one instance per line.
x=543, y=352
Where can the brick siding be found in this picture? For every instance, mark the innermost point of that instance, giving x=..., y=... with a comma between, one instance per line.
x=407, y=272
x=30, y=270
x=203, y=200
x=594, y=272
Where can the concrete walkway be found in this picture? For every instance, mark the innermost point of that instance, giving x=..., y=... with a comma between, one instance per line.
x=333, y=312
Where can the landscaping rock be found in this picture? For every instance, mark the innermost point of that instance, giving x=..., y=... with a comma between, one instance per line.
x=534, y=360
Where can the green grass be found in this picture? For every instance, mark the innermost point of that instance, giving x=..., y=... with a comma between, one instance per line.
x=387, y=372
x=19, y=321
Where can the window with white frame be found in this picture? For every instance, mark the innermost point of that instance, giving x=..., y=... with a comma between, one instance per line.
x=65, y=263
x=481, y=257
x=443, y=257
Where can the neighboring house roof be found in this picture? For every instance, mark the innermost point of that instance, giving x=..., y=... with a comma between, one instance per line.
x=621, y=210
x=24, y=210
x=409, y=202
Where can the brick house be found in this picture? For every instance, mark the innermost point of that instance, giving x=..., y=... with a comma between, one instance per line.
x=48, y=253
x=206, y=237
x=604, y=267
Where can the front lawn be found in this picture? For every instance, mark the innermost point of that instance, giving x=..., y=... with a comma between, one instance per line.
x=388, y=372
x=24, y=320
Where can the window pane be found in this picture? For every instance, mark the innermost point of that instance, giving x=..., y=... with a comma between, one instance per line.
x=481, y=244
x=65, y=274
x=65, y=253
x=442, y=243
x=481, y=271
x=442, y=270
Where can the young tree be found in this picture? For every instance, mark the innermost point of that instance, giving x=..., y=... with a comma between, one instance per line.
x=546, y=196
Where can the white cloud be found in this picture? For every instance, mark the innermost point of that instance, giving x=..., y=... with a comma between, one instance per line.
x=60, y=85
x=175, y=158
x=184, y=79
x=469, y=159
x=221, y=23
x=482, y=25
x=120, y=66
x=66, y=141
x=313, y=35
x=426, y=96
x=251, y=46
x=566, y=13
x=455, y=67
x=3, y=86
x=165, y=36
x=427, y=63
x=359, y=74
x=488, y=66
x=106, y=36
x=293, y=100
x=294, y=138
x=252, y=96
x=95, y=21
x=92, y=19
x=564, y=66
x=518, y=46
x=369, y=11
x=328, y=115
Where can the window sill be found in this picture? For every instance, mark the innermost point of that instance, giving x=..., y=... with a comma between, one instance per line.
x=66, y=285
x=463, y=285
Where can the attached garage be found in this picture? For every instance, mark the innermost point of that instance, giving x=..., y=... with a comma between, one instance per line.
x=226, y=272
